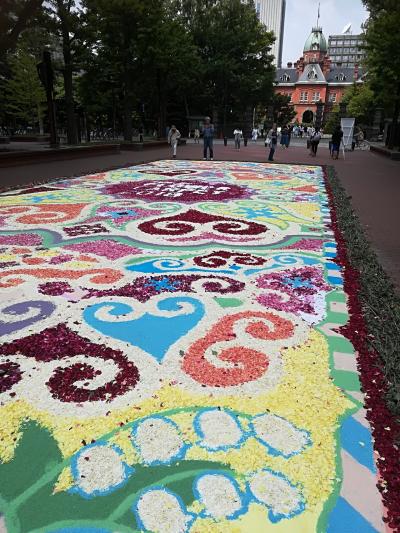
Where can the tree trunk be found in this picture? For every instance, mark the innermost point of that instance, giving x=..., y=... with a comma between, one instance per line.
x=128, y=108
x=69, y=105
x=40, y=120
x=187, y=113
x=224, y=126
x=162, y=107
x=395, y=120
x=63, y=14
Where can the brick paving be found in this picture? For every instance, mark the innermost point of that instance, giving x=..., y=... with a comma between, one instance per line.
x=372, y=181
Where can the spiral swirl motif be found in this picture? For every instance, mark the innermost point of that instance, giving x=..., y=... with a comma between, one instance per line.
x=191, y=220
x=77, y=358
x=222, y=257
x=23, y=314
x=230, y=363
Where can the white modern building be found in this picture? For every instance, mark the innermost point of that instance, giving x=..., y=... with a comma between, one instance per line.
x=272, y=14
x=346, y=49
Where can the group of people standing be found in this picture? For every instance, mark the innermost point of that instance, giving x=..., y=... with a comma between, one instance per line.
x=271, y=140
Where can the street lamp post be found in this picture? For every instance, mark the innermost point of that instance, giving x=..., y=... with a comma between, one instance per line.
x=319, y=114
x=343, y=109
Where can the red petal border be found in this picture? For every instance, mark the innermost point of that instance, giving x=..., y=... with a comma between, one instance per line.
x=385, y=429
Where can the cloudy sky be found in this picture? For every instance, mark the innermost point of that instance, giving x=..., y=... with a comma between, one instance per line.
x=301, y=15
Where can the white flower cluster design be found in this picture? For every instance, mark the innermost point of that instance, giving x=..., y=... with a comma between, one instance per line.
x=99, y=469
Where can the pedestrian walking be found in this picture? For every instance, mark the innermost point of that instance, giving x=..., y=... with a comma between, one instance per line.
x=314, y=142
x=284, y=137
x=140, y=134
x=173, y=136
x=197, y=136
x=273, y=136
x=254, y=135
x=290, y=131
x=208, y=137
x=336, y=140
x=238, y=134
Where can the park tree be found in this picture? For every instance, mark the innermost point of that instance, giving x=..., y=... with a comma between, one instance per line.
x=235, y=49
x=360, y=100
x=382, y=43
x=283, y=111
x=24, y=95
x=333, y=120
x=140, y=60
x=63, y=18
x=120, y=36
x=15, y=17
x=172, y=66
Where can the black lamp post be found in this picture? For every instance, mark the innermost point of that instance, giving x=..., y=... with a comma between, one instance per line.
x=343, y=109
x=270, y=116
x=319, y=114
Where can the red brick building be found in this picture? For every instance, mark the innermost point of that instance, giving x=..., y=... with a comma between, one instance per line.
x=315, y=78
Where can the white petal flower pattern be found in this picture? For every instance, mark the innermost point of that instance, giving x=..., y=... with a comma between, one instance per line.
x=99, y=469
x=158, y=440
x=160, y=511
x=279, y=435
x=283, y=499
x=220, y=495
x=218, y=429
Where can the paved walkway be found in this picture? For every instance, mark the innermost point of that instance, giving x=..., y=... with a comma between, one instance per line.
x=371, y=180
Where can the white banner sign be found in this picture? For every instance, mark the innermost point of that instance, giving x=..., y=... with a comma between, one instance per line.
x=347, y=125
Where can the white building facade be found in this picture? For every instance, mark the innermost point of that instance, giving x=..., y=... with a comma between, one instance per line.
x=272, y=14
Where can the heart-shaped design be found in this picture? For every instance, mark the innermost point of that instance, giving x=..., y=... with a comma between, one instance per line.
x=155, y=332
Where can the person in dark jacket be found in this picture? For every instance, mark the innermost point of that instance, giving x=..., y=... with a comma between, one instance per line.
x=208, y=136
x=285, y=137
x=273, y=137
x=314, y=142
x=336, y=140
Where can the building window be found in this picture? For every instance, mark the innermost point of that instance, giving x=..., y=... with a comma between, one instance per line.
x=285, y=77
x=312, y=74
x=304, y=96
x=290, y=97
x=341, y=77
x=332, y=97
x=316, y=96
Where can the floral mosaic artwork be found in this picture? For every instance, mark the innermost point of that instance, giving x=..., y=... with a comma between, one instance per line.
x=172, y=359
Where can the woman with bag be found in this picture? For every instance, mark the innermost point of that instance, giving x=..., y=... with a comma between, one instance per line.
x=314, y=142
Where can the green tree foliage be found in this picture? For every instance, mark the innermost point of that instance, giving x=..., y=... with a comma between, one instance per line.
x=15, y=17
x=360, y=100
x=132, y=62
x=333, y=120
x=64, y=21
x=24, y=97
x=235, y=49
x=382, y=44
x=283, y=110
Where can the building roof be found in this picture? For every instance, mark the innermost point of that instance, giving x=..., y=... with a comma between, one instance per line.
x=312, y=73
x=337, y=75
x=342, y=75
x=286, y=75
x=316, y=41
